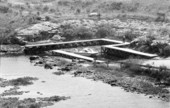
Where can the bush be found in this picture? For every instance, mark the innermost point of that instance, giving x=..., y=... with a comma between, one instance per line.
x=103, y=32
x=4, y=9
x=83, y=33
x=161, y=17
x=78, y=11
x=116, y=5
x=45, y=9
x=64, y=2
x=68, y=34
x=129, y=36
x=47, y=18
x=131, y=7
x=167, y=51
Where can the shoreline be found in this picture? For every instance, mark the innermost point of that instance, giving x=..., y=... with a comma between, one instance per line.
x=100, y=72
x=111, y=75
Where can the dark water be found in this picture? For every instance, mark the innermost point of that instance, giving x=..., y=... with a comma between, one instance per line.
x=84, y=93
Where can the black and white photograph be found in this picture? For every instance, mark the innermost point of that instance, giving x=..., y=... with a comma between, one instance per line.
x=84, y=53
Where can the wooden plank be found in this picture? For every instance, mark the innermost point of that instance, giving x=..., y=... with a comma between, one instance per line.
x=68, y=42
x=78, y=41
x=76, y=56
x=114, y=41
x=131, y=51
x=118, y=45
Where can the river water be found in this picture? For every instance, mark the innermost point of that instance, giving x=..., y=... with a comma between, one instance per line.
x=84, y=93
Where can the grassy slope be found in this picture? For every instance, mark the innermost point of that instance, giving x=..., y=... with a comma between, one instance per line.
x=67, y=9
x=105, y=6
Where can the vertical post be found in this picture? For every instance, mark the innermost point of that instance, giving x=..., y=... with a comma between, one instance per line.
x=108, y=61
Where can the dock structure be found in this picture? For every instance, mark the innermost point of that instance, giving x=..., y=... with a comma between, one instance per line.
x=110, y=51
x=74, y=56
x=37, y=48
x=109, y=48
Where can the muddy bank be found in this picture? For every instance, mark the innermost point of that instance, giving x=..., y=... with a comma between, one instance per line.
x=112, y=75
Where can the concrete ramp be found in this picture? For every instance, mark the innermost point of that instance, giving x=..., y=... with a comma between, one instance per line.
x=125, y=52
x=73, y=55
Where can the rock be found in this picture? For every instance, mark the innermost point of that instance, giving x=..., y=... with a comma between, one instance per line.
x=57, y=38
x=43, y=81
x=48, y=66
x=163, y=96
x=66, y=68
x=34, y=57
x=37, y=32
x=77, y=73
x=112, y=82
x=81, y=61
x=58, y=73
x=150, y=96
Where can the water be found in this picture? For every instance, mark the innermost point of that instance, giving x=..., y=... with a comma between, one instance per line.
x=84, y=93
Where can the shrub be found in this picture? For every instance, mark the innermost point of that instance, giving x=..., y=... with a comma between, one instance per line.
x=83, y=33
x=103, y=32
x=166, y=51
x=64, y=2
x=129, y=36
x=68, y=34
x=47, y=18
x=161, y=17
x=45, y=9
x=131, y=7
x=164, y=31
x=116, y=5
x=78, y=11
x=52, y=10
x=4, y=9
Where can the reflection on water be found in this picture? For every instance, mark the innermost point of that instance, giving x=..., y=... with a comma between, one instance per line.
x=84, y=93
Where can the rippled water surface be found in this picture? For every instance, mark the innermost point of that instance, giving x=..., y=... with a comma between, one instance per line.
x=84, y=93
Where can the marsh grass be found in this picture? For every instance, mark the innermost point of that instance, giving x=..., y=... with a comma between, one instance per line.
x=18, y=82
x=30, y=102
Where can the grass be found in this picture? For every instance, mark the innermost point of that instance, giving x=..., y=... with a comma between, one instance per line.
x=18, y=82
x=22, y=81
x=30, y=102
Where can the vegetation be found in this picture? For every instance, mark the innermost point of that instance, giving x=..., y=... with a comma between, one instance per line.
x=19, y=15
x=167, y=51
x=30, y=102
x=160, y=74
x=22, y=81
x=18, y=82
